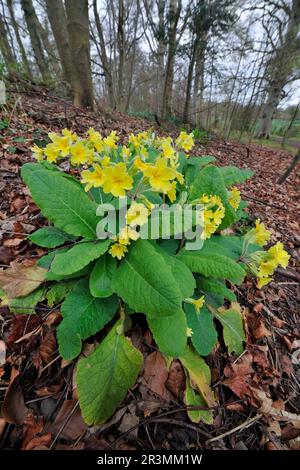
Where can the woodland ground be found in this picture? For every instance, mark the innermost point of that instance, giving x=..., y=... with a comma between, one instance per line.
x=258, y=393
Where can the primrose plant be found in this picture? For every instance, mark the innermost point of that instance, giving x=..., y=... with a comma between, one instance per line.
x=113, y=255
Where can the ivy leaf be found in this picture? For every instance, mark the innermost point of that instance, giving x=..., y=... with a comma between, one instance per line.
x=101, y=279
x=61, y=200
x=210, y=181
x=146, y=283
x=234, y=175
x=192, y=398
x=233, y=330
x=49, y=237
x=104, y=377
x=169, y=333
x=83, y=316
x=199, y=374
x=77, y=257
x=212, y=264
x=204, y=335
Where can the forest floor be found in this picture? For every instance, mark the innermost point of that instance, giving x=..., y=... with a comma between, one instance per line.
x=258, y=393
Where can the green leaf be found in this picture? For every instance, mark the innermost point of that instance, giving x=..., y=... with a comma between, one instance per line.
x=77, y=257
x=182, y=275
x=101, y=279
x=192, y=398
x=49, y=237
x=83, y=316
x=212, y=264
x=146, y=283
x=59, y=291
x=104, y=377
x=234, y=175
x=61, y=200
x=204, y=335
x=199, y=374
x=213, y=286
x=210, y=182
x=169, y=333
x=233, y=330
x=230, y=246
x=193, y=167
x=46, y=262
x=26, y=305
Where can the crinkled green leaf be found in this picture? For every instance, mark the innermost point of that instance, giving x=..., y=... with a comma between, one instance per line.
x=59, y=291
x=46, y=262
x=104, y=377
x=146, y=283
x=204, y=335
x=83, y=316
x=77, y=257
x=61, y=200
x=101, y=279
x=233, y=330
x=234, y=175
x=169, y=333
x=49, y=237
x=212, y=286
x=212, y=264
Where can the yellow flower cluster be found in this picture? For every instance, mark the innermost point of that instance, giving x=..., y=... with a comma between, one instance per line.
x=234, y=198
x=136, y=215
x=185, y=141
x=274, y=257
x=214, y=212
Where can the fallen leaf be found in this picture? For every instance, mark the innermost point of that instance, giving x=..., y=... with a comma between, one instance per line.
x=18, y=280
x=48, y=346
x=75, y=425
x=39, y=443
x=176, y=379
x=32, y=427
x=155, y=375
x=239, y=375
x=14, y=410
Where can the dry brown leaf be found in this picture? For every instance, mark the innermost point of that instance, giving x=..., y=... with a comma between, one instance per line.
x=32, y=427
x=176, y=379
x=18, y=280
x=239, y=375
x=75, y=425
x=39, y=443
x=48, y=346
x=266, y=408
x=156, y=374
x=14, y=410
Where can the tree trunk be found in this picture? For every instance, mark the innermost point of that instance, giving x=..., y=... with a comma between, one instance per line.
x=287, y=131
x=290, y=168
x=269, y=109
x=58, y=21
x=40, y=58
x=174, y=13
x=79, y=40
x=18, y=38
x=121, y=51
x=104, y=59
x=189, y=84
x=5, y=48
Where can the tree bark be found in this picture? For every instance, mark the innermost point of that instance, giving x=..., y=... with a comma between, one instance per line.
x=36, y=43
x=289, y=170
x=5, y=48
x=79, y=40
x=104, y=59
x=174, y=13
x=189, y=83
x=121, y=51
x=18, y=38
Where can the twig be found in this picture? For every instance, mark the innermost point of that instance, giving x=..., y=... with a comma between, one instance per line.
x=265, y=203
x=244, y=425
x=64, y=425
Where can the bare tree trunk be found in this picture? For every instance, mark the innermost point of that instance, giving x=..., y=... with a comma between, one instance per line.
x=121, y=51
x=174, y=13
x=287, y=131
x=18, y=38
x=274, y=96
x=104, y=59
x=5, y=48
x=79, y=40
x=289, y=170
x=58, y=21
x=35, y=39
x=189, y=83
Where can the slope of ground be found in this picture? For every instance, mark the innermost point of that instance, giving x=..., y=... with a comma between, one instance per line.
x=258, y=393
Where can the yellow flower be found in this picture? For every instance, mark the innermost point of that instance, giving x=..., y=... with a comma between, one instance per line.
x=262, y=281
x=118, y=251
x=134, y=140
x=185, y=141
x=189, y=332
x=79, y=154
x=105, y=161
x=138, y=163
x=96, y=139
x=125, y=152
x=127, y=234
x=172, y=192
x=160, y=175
x=143, y=152
x=212, y=218
x=137, y=214
x=117, y=180
x=62, y=144
x=51, y=153
x=198, y=303
x=266, y=268
x=179, y=177
x=168, y=151
x=279, y=255
x=38, y=153
x=234, y=198
x=110, y=141
x=72, y=136
x=92, y=179
x=262, y=235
